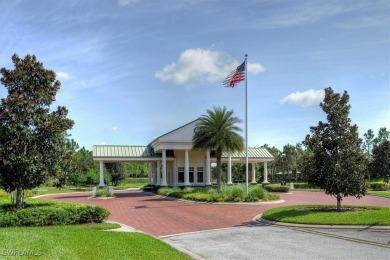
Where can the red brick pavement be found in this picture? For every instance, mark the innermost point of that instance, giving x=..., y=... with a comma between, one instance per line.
x=160, y=216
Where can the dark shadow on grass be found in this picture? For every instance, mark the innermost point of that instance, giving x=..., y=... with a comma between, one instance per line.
x=279, y=216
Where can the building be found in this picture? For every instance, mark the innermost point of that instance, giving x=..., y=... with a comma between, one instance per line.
x=173, y=162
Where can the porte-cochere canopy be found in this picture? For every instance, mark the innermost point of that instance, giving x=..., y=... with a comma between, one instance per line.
x=173, y=162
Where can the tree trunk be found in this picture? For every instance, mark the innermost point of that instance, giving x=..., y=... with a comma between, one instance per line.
x=338, y=202
x=219, y=181
x=19, y=198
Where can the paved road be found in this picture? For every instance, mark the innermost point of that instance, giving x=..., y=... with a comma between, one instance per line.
x=273, y=242
x=160, y=216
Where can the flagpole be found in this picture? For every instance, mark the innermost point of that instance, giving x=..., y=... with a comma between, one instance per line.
x=246, y=123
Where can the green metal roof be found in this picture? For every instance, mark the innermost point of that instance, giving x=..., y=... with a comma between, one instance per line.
x=130, y=151
x=123, y=151
x=258, y=153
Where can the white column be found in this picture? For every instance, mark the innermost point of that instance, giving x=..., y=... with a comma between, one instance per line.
x=229, y=170
x=175, y=173
x=154, y=173
x=150, y=173
x=265, y=174
x=101, y=176
x=164, y=168
x=186, y=169
x=253, y=173
x=158, y=173
x=208, y=172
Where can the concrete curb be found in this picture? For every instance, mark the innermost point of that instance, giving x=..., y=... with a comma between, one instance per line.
x=184, y=251
x=258, y=219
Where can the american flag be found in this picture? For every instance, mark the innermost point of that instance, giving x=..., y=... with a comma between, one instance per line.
x=235, y=76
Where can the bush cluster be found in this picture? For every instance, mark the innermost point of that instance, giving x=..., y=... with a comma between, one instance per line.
x=234, y=193
x=378, y=186
x=45, y=213
x=277, y=188
x=104, y=192
x=26, y=193
x=303, y=185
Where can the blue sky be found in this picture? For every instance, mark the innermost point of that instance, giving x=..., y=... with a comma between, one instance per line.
x=132, y=70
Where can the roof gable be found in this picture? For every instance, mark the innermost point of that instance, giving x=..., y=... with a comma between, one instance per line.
x=181, y=134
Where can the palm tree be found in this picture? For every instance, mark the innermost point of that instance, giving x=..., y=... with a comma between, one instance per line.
x=217, y=130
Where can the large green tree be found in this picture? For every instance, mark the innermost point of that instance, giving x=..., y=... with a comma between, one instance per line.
x=380, y=164
x=368, y=142
x=383, y=135
x=217, y=130
x=32, y=135
x=338, y=163
x=67, y=165
x=277, y=164
x=117, y=172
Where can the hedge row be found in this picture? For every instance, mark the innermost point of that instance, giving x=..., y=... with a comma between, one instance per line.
x=47, y=214
x=378, y=186
x=303, y=186
x=234, y=193
x=276, y=188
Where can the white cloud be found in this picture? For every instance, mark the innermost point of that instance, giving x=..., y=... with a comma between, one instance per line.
x=255, y=68
x=62, y=75
x=199, y=65
x=103, y=143
x=304, y=99
x=127, y=2
x=114, y=128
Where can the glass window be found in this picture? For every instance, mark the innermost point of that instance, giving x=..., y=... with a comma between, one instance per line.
x=191, y=174
x=180, y=173
x=199, y=172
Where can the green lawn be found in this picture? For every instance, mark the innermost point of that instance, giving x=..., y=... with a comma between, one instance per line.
x=123, y=186
x=83, y=242
x=53, y=190
x=380, y=193
x=377, y=216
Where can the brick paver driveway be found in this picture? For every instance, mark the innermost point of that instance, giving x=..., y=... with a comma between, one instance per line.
x=160, y=216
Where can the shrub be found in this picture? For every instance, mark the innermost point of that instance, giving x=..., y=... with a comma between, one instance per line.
x=27, y=194
x=4, y=194
x=235, y=191
x=189, y=189
x=104, y=192
x=229, y=193
x=303, y=186
x=168, y=191
x=197, y=196
x=257, y=193
x=276, y=188
x=42, y=213
x=379, y=186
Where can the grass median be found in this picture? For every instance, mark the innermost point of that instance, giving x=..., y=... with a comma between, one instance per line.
x=327, y=215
